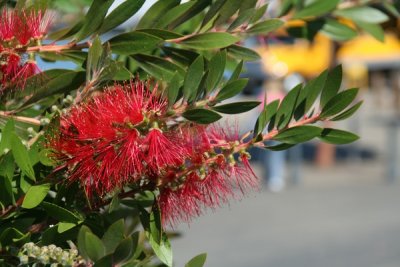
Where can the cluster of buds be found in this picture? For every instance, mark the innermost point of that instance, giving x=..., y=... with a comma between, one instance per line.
x=49, y=255
x=20, y=29
x=125, y=136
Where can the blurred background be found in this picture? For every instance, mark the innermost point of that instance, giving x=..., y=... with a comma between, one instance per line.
x=319, y=205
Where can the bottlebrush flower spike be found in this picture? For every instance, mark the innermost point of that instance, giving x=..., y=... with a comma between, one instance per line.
x=213, y=179
x=23, y=25
x=107, y=142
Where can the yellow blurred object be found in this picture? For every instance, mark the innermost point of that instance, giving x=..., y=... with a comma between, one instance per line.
x=303, y=57
x=368, y=50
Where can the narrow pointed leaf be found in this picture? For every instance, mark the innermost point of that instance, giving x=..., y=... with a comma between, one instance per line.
x=363, y=14
x=121, y=14
x=210, y=40
x=216, y=69
x=231, y=89
x=265, y=27
x=348, y=113
x=236, y=72
x=134, y=42
x=93, y=19
x=21, y=157
x=237, y=107
x=316, y=8
x=265, y=116
x=202, y=116
x=193, y=78
x=155, y=12
x=337, y=137
x=241, y=52
x=339, y=102
x=286, y=109
x=298, y=134
x=332, y=85
x=173, y=88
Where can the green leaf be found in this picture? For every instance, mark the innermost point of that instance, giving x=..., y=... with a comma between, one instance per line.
x=124, y=250
x=21, y=157
x=259, y=13
x=197, y=261
x=94, y=247
x=7, y=195
x=286, y=109
x=231, y=89
x=82, y=242
x=193, y=10
x=279, y=147
x=242, y=18
x=35, y=195
x=316, y=8
x=202, y=116
x=216, y=69
x=173, y=14
x=93, y=19
x=332, y=85
x=158, y=67
x=120, y=14
x=173, y=88
x=337, y=137
x=105, y=261
x=236, y=72
x=134, y=42
x=338, y=31
x=227, y=11
x=265, y=27
x=339, y=103
x=246, y=5
x=285, y=7
x=155, y=224
x=163, y=250
x=163, y=34
x=155, y=12
x=6, y=134
x=374, y=29
x=362, y=14
x=298, y=134
x=7, y=166
x=235, y=108
x=209, y=40
x=65, y=226
x=193, y=78
x=113, y=236
x=212, y=12
x=94, y=58
x=348, y=113
x=57, y=81
x=60, y=213
x=241, y=52
x=309, y=94
x=265, y=116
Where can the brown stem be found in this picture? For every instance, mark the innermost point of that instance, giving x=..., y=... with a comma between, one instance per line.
x=58, y=48
x=7, y=115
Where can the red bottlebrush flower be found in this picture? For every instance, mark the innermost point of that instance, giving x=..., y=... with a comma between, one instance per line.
x=105, y=143
x=8, y=24
x=213, y=179
x=23, y=25
x=162, y=151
